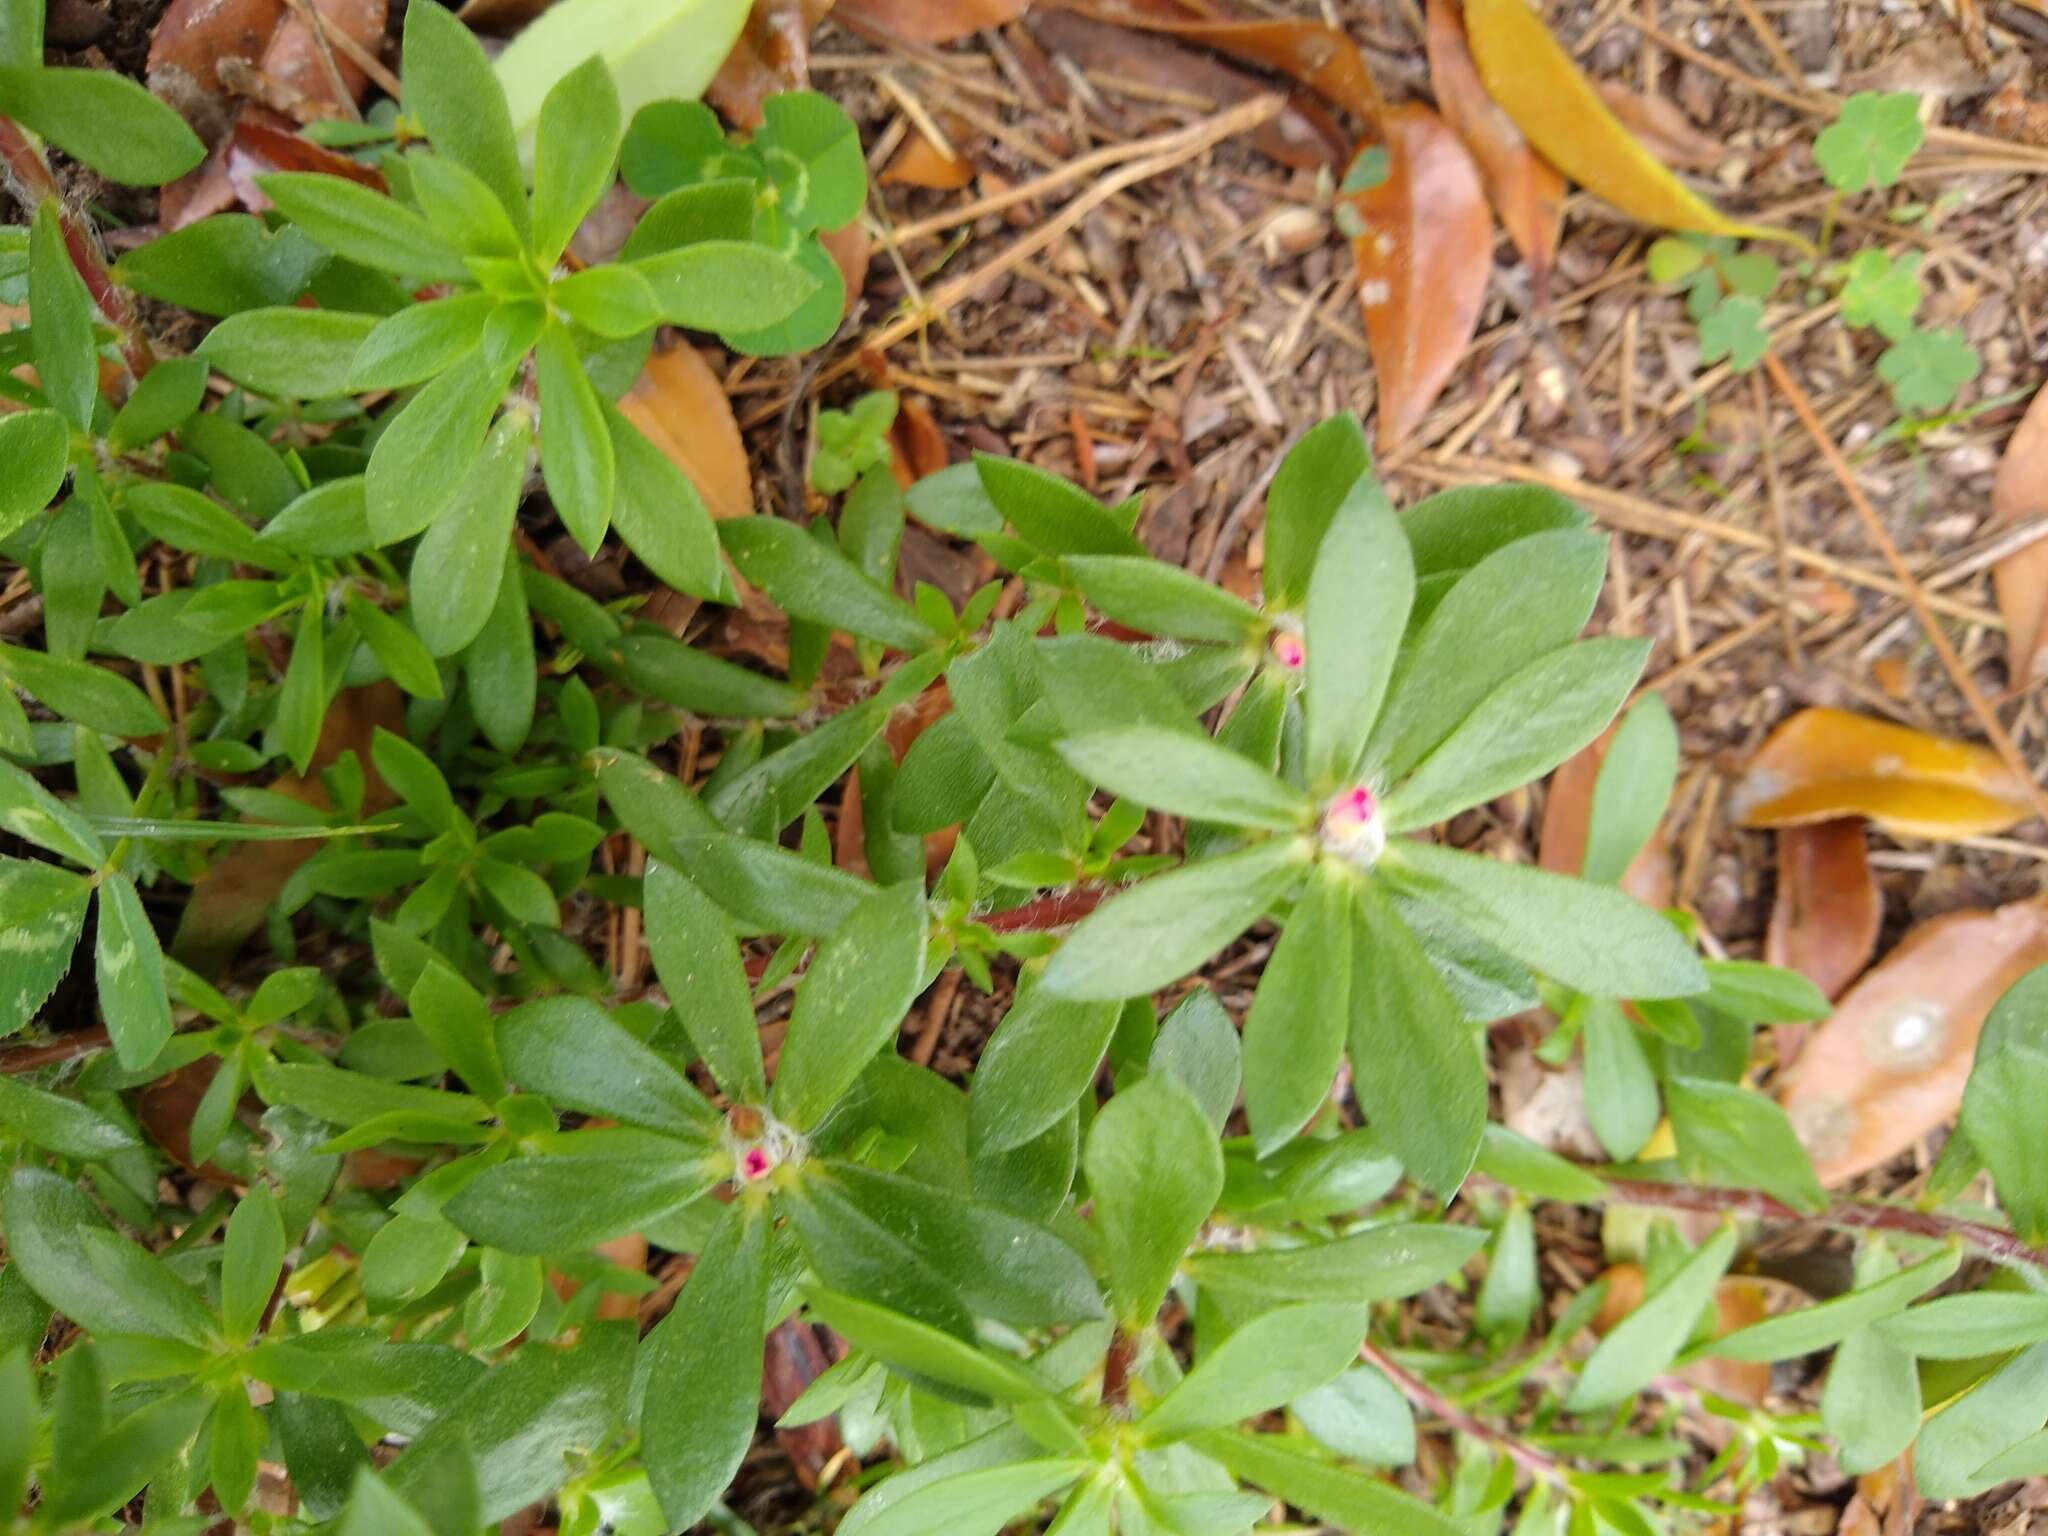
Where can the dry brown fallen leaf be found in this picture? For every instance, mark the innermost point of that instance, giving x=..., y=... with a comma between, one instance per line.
x=921, y=163
x=927, y=21
x=852, y=251
x=1424, y=244
x=2021, y=579
x=1827, y=911
x=228, y=903
x=916, y=444
x=628, y=1252
x=1303, y=136
x=1320, y=56
x=773, y=54
x=1824, y=764
x=1568, y=811
x=679, y=402
x=1525, y=189
x=187, y=48
x=1888, y=1067
x=1663, y=128
x=797, y=1355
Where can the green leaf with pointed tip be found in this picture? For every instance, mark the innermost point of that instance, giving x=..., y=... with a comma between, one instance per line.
x=103, y=1282
x=1053, y=515
x=1871, y=1404
x=1728, y=1134
x=1349, y=1499
x=420, y=341
x=427, y=455
x=288, y=353
x=1957, y=1449
x=1187, y=775
x=704, y=1361
x=104, y=120
x=980, y=1503
x=907, y=1345
x=1164, y=928
x=460, y=564
x=1642, y=1344
x=1522, y=601
x=697, y=958
x=35, y=815
x=1633, y=788
x=65, y=350
x=575, y=149
x=851, y=1002
x=397, y=649
x=1808, y=1329
x=450, y=87
x=1294, y=1034
x=1359, y=596
x=1313, y=481
x=1271, y=1360
x=580, y=1057
x=1163, y=599
x=661, y=516
x=1526, y=726
x=60, y=1125
x=223, y=265
x=1382, y=1263
x=252, y=1259
x=364, y=226
x=811, y=580
x=35, y=456
x=584, y=1188
x=1154, y=1173
x=498, y=665
x=1591, y=937
x=725, y=285
x=575, y=444
x=1036, y=1066
x=128, y=966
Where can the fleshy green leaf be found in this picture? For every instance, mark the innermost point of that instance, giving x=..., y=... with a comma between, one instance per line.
x=1649, y=1338
x=1271, y=1360
x=460, y=564
x=1359, y=596
x=1187, y=775
x=851, y=1002
x=1300, y=1014
x=1154, y=1172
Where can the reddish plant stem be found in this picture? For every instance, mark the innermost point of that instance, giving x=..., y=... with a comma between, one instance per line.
x=1054, y=911
x=1854, y=1215
x=1437, y=1406
x=28, y=176
x=1116, y=1370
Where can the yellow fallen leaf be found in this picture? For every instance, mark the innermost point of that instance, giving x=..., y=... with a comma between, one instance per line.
x=1828, y=763
x=1561, y=113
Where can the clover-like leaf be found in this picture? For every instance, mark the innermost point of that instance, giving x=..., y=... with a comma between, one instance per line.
x=1870, y=143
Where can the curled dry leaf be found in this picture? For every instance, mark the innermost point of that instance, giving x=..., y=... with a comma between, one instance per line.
x=1568, y=812
x=1424, y=244
x=679, y=402
x=927, y=21
x=1538, y=85
x=773, y=54
x=852, y=251
x=1525, y=189
x=2021, y=578
x=1303, y=136
x=921, y=163
x=1889, y=1065
x=1824, y=764
x=1320, y=56
x=1827, y=911
x=185, y=54
x=916, y=444
x=1663, y=128
x=228, y=903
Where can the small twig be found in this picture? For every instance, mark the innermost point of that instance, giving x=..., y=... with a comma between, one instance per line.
x=1850, y=1215
x=1437, y=1406
x=1776, y=489
x=2001, y=739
